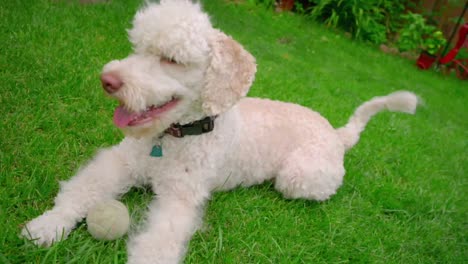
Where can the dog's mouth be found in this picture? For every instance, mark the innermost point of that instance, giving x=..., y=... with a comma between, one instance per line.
x=124, y=118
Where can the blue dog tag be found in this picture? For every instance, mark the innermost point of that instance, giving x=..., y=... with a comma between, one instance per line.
x=156, y=151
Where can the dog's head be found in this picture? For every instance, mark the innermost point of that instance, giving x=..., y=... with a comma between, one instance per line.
x=182, y=70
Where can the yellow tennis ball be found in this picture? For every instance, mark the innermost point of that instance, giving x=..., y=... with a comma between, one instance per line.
x=108, y=220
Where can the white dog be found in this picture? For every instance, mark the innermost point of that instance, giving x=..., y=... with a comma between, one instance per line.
x=189, y=133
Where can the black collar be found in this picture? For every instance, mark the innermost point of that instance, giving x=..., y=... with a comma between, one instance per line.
x=198, y=127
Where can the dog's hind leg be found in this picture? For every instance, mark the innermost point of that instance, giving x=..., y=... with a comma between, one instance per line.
x=310, y=173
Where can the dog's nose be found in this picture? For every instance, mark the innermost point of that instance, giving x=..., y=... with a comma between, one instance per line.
x=110, y=82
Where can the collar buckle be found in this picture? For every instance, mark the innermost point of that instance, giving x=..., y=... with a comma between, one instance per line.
x=195, y=128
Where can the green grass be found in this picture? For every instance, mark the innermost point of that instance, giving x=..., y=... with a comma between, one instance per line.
x=404, y=196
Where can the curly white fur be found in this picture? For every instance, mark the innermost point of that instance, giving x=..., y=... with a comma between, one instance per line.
x=254, y=140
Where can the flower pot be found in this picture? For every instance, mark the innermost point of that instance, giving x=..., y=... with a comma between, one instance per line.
x=425, y=60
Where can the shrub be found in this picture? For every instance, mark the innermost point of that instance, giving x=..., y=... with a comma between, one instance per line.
x=370, y=20
x=417, y=35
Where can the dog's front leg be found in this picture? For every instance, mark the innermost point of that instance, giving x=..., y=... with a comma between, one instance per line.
x=172, y=220
x=103, y=178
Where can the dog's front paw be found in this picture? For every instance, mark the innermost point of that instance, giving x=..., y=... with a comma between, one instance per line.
x=47, y=228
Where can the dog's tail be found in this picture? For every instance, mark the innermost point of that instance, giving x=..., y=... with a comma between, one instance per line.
x=401, y=101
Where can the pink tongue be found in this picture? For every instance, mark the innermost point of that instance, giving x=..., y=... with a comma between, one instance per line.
x=122, y=117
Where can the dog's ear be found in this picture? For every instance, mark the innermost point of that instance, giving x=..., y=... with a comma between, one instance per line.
x=228, y=77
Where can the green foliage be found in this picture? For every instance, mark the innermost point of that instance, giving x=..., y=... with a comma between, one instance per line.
x=462, y=54
x=434, y=42
x=369, y=20
x=418, y=35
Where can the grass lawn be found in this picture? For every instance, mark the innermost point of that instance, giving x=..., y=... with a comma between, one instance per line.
x=404, y=196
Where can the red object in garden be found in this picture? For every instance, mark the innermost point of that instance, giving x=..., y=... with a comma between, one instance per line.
x=425, y=60
x=461, y=40
x=460, y=65
x=461, y=68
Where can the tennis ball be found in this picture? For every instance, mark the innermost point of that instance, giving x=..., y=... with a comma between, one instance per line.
x=108, y=220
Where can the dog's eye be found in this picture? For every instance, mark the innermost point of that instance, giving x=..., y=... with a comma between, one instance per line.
x=168, y=60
